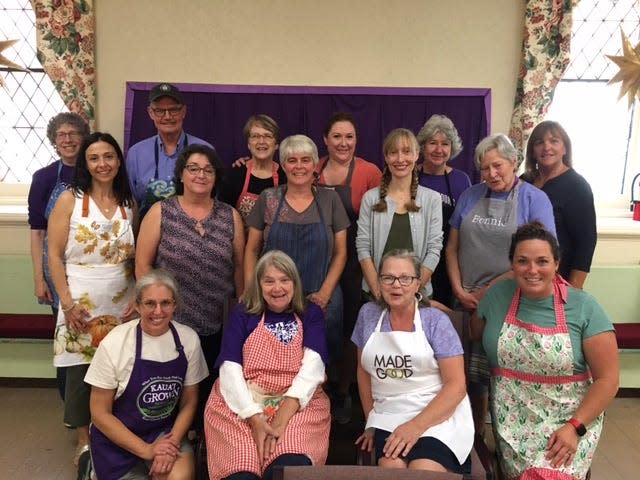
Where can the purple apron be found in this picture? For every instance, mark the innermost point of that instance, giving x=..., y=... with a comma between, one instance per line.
x=147, y=407
x=59, y=187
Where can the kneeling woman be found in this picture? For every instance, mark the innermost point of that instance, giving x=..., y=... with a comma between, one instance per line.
x=144, y=393
x=267, y=407
x=411, y=376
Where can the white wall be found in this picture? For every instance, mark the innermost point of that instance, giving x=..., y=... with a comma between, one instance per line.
x=406, y=43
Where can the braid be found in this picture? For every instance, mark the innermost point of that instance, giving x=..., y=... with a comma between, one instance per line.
x=411, y=206
x=381, y=206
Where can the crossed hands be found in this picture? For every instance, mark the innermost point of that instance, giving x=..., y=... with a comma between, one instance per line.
x=265, y=435
x=164, y=452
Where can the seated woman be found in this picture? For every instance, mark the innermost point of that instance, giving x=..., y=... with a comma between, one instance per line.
x=554, y=363
x=267, y=407
x=411, y=376
x=144, y=378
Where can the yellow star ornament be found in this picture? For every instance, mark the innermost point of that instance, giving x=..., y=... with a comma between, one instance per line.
x=629, y=73
x=5, y=62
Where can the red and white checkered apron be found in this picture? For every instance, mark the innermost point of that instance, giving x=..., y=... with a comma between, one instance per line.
x=272, y=366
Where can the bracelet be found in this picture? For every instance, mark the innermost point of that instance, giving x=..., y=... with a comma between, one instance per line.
x=68, y=309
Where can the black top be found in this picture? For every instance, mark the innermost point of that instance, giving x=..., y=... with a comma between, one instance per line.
x=234, y=181
x=575, y=217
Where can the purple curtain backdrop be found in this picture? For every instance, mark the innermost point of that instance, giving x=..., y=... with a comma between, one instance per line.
x=217, y=113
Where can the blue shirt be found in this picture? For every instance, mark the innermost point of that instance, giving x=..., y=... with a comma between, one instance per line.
x=141, y=164
x=533, y=204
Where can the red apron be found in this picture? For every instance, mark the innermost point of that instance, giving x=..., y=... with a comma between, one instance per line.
x=247, y=200
x=269, y=367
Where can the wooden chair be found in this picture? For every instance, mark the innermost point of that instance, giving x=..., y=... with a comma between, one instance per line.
x=480, y=455
x=355, y=472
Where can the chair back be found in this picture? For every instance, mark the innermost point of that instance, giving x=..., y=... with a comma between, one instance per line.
x=355, y=472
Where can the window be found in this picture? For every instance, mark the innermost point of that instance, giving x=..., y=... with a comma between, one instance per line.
x=27, y=102
x=601, y=127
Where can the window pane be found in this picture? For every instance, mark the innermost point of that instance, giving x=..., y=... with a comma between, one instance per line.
x=27, y=102
x=599, y=132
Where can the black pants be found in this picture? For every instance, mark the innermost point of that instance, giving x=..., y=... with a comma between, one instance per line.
x=286, y=460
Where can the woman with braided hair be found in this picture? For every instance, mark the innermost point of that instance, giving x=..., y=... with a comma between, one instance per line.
x=399, y=214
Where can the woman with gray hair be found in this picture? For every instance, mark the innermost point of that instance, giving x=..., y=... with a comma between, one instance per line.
x=244, y=183
x=485, y=217
x=65, y=131
x=144, y=393
x=309, y=224
x=440, y=142
x=267, y=407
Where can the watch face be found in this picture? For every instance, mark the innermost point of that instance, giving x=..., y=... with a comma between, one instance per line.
x=581, y=430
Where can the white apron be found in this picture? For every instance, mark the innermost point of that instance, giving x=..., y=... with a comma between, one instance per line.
x=405, y=377
x=99, y=267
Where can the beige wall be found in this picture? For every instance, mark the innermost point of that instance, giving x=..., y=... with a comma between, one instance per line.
x=406, y=43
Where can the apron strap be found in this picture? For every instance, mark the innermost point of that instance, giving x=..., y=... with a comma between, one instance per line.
x=449, y=192
x=85, y=205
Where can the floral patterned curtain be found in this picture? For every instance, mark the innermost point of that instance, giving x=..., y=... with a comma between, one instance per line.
x=65, y=34
x=545, y=57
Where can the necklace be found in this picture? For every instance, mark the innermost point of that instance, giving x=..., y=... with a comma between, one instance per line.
x=200, y=228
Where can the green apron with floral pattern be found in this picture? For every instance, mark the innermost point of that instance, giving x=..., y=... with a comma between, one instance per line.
x=535, y=392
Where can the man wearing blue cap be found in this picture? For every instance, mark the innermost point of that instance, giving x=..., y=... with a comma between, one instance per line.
x=150, y=162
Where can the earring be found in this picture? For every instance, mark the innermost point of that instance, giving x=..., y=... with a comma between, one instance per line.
x=418, y=297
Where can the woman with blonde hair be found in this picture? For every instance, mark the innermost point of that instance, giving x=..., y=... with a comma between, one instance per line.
x=399, y=214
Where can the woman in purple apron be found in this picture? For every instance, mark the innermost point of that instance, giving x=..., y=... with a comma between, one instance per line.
x=66, y=132
x=554, y=364
x=144, y=394
x=307, y=223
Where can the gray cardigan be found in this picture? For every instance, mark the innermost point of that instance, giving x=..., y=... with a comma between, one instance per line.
x=426, y=229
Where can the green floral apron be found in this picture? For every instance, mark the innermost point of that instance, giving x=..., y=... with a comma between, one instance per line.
x=535, y=392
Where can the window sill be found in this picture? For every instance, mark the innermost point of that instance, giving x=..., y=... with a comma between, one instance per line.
x=617, y=223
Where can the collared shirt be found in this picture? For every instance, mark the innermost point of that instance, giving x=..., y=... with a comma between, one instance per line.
x=141, y=165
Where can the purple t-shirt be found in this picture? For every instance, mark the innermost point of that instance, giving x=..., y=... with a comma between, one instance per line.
x=241, y=324
x=437, y=326
x=533, y=204
x=458, y=181
x=42, y=184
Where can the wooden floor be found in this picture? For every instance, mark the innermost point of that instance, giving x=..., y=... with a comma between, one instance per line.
x=36, y=446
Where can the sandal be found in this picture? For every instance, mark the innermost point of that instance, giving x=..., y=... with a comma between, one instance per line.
x=84, y=463
x=80, y=449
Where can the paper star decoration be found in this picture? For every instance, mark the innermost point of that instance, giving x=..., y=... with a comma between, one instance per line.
x=5, y=62
x=629, y=73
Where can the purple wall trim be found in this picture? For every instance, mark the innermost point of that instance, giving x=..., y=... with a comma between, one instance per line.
x=217, y=113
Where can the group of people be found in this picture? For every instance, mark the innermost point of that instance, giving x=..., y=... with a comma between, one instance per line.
x=301, y=243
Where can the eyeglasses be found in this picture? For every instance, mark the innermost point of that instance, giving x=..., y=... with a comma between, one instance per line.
x=257, y=137
x=172, y=111
x=69, y=135
x=164, y=304
x=405, y=280
x=195, y=170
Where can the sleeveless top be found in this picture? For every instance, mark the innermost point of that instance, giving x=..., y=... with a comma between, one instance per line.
x=202, y=265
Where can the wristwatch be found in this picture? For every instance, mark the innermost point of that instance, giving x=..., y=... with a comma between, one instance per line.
x=580, y=428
